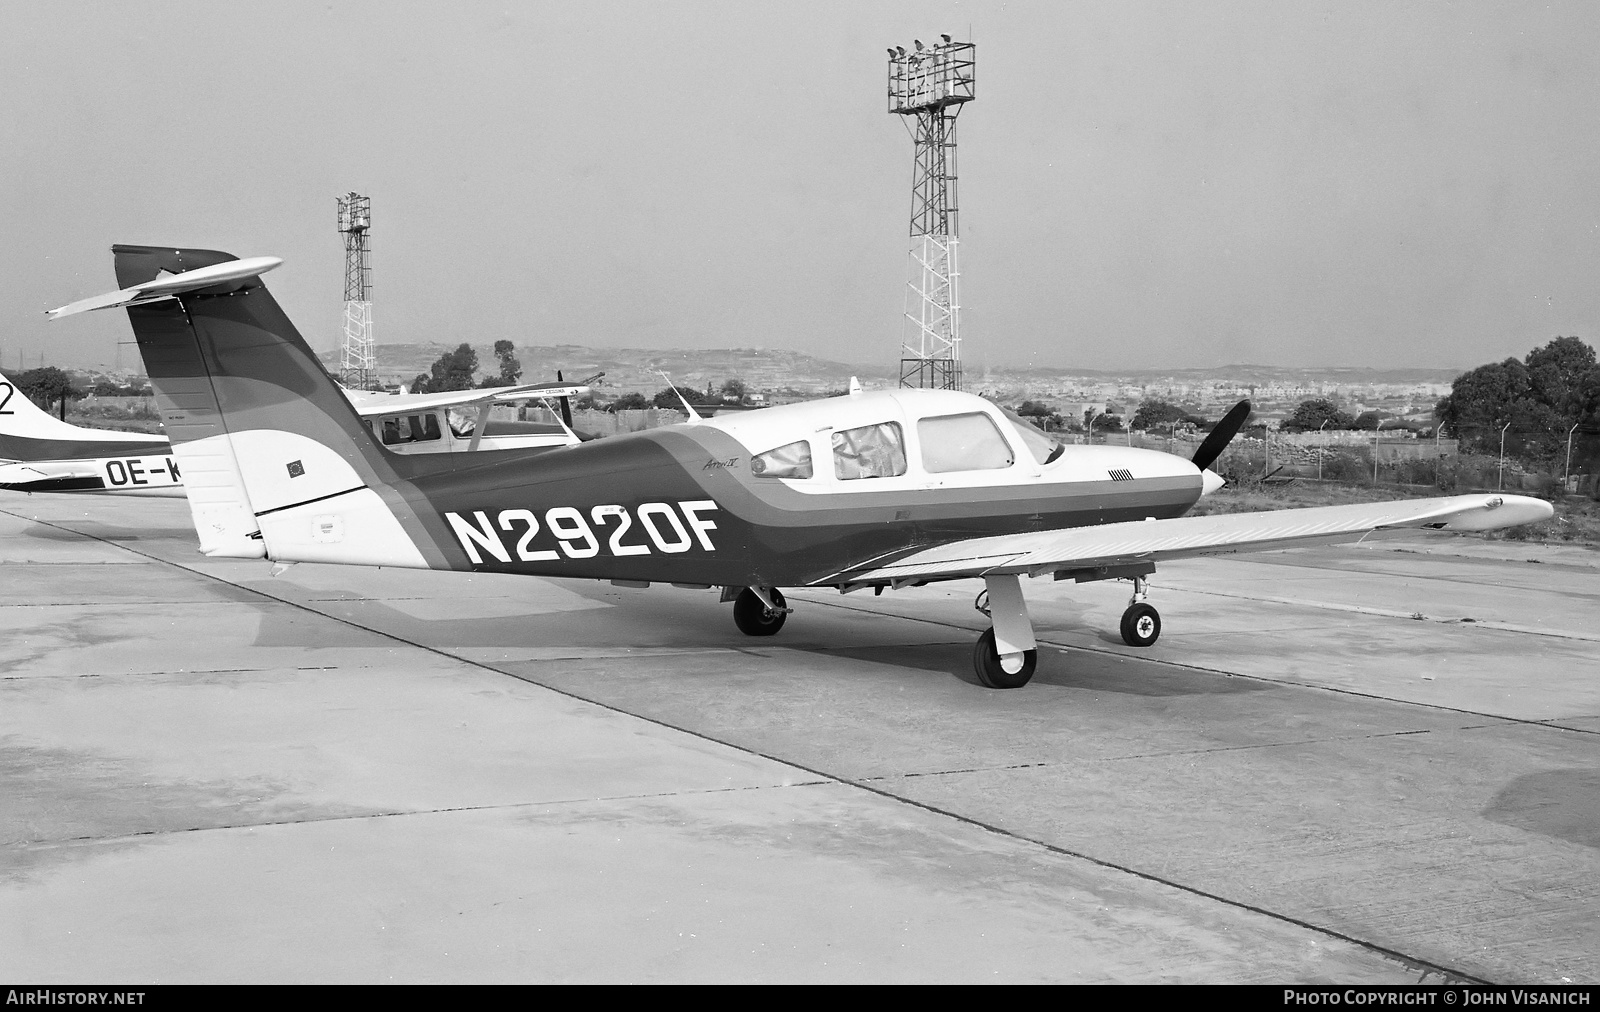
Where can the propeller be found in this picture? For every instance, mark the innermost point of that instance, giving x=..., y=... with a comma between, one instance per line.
x=1221, y=435
x=566, y=405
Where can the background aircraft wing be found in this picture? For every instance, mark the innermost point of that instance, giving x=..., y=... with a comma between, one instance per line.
x=22, y=472
x=393, y=404
x=1120, y=544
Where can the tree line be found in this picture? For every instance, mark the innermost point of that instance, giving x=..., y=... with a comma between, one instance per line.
x=455, y=370
x=1539, y=401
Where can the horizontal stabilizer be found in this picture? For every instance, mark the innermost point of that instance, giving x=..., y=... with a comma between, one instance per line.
x=169, y=285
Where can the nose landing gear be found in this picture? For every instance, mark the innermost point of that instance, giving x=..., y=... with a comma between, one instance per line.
x=1141, y=623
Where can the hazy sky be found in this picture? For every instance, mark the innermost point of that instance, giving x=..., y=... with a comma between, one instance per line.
x=1142, y=185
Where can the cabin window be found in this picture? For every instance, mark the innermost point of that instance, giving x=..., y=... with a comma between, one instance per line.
x=463, y=423
x=793, y=460
x=871, y=451
x=967, y=442
x=1044, y=449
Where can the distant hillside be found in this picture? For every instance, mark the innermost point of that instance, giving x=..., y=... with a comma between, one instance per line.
x=640, y=368
x=1243, y=374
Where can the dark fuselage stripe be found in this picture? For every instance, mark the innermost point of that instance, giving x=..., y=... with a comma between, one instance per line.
x=31, y=448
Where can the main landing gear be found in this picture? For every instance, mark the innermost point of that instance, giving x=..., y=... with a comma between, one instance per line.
x=1005, y=656
x=760, y=611
x=1141, y=623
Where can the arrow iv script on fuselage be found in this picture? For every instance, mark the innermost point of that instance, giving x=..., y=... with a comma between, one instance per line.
x=876, y=490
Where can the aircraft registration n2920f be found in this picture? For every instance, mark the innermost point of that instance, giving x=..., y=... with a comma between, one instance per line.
x=875, y=490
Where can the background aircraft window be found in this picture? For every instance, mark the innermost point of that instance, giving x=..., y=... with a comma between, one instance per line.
x=967, y=442
x=872, y=451
x=1044, y=449
x=462, y=423
x=409, y=429
x=789, y=461
x=421, y=431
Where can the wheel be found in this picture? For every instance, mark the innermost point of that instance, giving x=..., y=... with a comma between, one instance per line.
x=753, y=618
x=986, y=662
x=1141, y=625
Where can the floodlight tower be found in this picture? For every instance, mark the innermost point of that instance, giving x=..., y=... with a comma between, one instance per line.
x=358, y=360
x=928, y=87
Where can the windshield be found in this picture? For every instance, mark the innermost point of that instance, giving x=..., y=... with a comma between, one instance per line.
x=1044, y=449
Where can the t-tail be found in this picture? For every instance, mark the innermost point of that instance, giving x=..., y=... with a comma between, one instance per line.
x=276, y=462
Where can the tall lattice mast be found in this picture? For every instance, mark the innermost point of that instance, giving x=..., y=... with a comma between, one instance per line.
x=928, y=86
x=358, y=358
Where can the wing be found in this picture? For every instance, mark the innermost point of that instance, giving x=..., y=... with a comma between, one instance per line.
x=1108, y=545
x=394, y=404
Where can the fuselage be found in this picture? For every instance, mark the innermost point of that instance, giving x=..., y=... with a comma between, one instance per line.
x=791, y=495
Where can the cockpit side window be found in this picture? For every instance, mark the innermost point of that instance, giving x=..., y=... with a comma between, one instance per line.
x=1044, y=449
x=871, y=451
x=968, y=442
x=792, y=460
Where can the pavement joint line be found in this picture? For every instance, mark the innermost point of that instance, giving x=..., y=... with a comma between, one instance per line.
x=85, y=562
x=1189, y=666
x=1362, y=566
x=95, y=604
x=407, y=813
x=1404, y=958
x=1397, y=550
x=179, y=671
x=1476, y=623
x=1181, y=752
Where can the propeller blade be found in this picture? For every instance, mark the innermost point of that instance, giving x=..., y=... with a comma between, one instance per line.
x=1221, y=435
x=566, y=405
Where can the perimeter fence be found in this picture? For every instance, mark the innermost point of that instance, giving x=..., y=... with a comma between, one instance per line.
x=1532, y=463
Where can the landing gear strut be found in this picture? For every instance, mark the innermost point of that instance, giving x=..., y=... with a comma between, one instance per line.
x=1141, y=623
x=1005, y=655
x=760, y=611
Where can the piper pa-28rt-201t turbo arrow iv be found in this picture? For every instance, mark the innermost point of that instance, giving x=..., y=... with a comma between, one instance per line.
x=876, y=490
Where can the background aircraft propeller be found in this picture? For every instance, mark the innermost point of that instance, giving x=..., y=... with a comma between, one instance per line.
x=1221, y=435
x=566, y=404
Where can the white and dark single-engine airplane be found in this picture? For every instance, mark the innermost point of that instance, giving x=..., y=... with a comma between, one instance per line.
x=875, y=490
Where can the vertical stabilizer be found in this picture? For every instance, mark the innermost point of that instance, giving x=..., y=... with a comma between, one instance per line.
x=218, y=501
x=276, y=461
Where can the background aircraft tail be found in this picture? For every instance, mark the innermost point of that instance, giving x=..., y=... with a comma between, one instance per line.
x=276, y=461
x=29, y=433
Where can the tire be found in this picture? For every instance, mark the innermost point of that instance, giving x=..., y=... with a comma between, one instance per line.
x=753, y=618
x=1141, y=625
x=986, y=662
